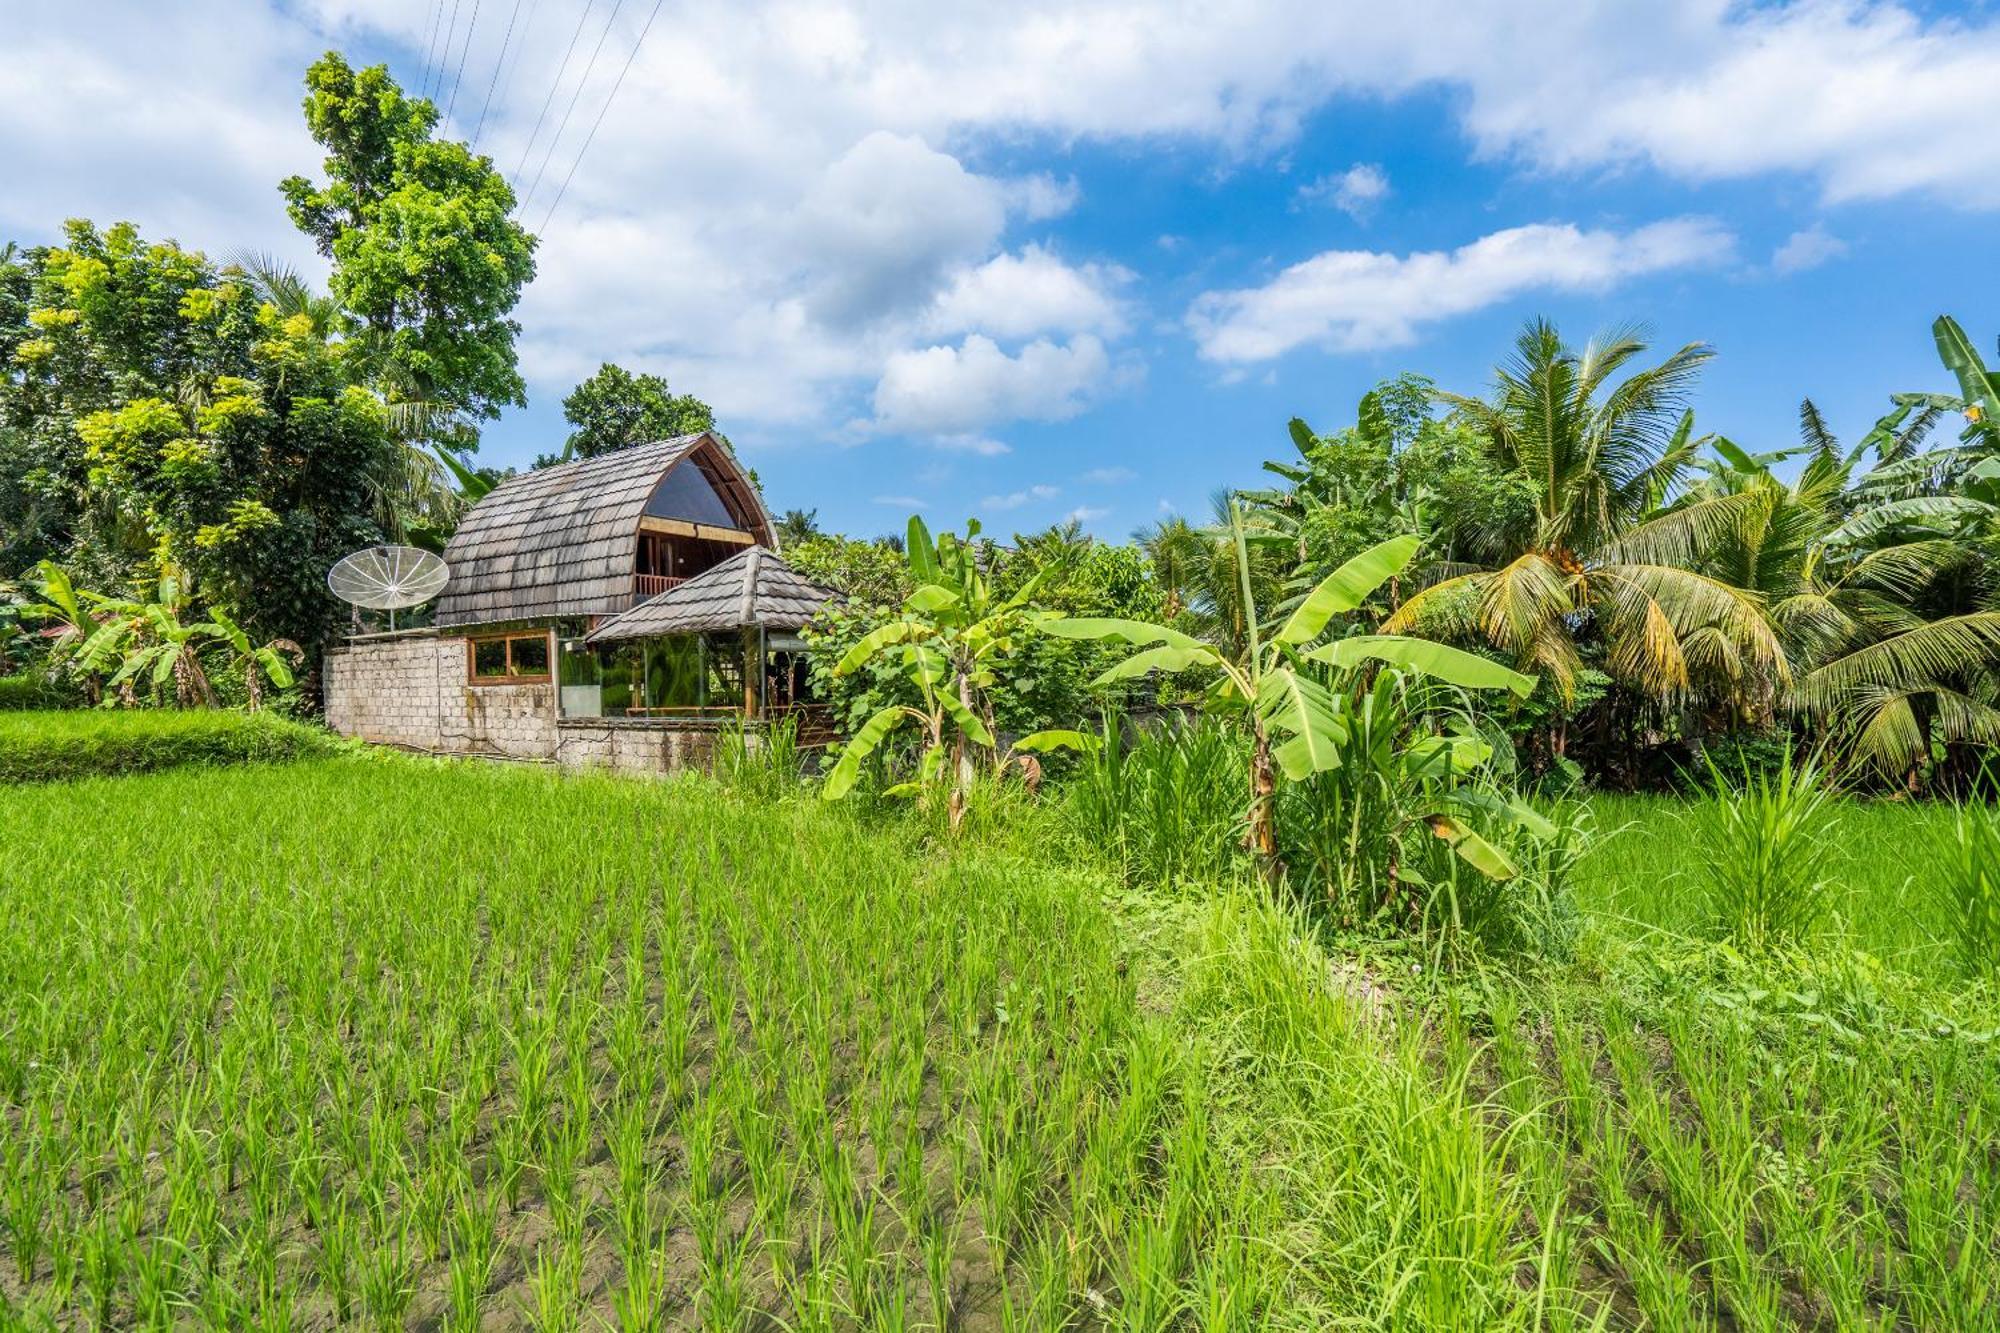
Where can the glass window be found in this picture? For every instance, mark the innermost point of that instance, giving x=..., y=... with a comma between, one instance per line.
x=528, y=656
x=686, y=492
x=489, y=658
x=512, y=658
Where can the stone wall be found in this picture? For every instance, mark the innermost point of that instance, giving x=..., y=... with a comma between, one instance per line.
x=632, y=746
x=411, y=690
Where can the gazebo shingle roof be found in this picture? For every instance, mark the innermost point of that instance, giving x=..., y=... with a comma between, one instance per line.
x=753, y=588
x=561, y=541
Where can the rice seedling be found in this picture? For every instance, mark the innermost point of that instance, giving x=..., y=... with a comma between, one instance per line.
x=594, y=1052
x=1965, y=891
x=1765, y=849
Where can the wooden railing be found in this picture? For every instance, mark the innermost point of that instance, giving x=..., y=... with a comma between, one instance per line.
x=652, y=585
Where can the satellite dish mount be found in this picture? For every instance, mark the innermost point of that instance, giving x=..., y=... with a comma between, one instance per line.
x=388, y=578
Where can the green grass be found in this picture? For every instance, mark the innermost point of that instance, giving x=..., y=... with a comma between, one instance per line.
x=52, y=746
x=398, y=1043
x=1643, y=874
x=33, y=690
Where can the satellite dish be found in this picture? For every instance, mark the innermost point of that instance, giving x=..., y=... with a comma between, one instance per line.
x=388, y=578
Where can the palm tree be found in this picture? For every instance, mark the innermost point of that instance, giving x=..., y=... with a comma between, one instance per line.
x=1602, y=456
x=797, y=525
x=1875, y=588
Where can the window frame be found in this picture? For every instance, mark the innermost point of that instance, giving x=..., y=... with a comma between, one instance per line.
x=547, y=673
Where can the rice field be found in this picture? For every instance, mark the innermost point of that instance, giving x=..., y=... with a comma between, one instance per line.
x=384, y=1043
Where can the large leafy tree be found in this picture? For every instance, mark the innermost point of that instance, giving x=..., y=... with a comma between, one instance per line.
x=427, y=255
x=91, y=325
x=1600, y=453
x=615, y=409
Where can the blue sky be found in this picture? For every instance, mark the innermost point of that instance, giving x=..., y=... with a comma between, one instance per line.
x=1043, y=259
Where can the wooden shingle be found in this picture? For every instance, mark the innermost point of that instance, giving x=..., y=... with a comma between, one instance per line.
x=753, y=588
x=562, y=541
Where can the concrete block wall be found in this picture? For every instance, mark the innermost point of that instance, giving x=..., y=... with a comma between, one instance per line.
x=626, y=746
x=412, y=691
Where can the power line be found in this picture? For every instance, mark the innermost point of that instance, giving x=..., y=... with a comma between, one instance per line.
x=450, y=33
x=430, y=36
x=574, y=98
x=616, y=84
x=560, y=69
x=470, y=28
x=505, y=38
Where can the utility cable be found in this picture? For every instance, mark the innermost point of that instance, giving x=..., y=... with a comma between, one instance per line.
x=618, y=83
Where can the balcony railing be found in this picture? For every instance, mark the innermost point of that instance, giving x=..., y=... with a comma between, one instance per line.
x=652, y=585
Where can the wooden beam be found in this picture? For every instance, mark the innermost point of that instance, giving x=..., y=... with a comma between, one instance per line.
x=677, y=527
x=680, y=527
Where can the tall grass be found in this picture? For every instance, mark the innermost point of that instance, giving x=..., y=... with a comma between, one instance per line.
x=51, y=746
x=1166, y=801
x=406, y=1043
x=1965, y=892
x=1765, y=846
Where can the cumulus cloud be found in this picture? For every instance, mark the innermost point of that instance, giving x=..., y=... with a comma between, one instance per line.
x=789, y=197
x=885, y=220
x=1015, y=295
x=1084, y=514
x=1358, y=300
x=946, y=390
x=1355, y=191
x=1109, y=476
x=1807, y=249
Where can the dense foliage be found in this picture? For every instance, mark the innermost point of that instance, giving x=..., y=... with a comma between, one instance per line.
x=615, y=409
x=49, y=747
x=223, y=428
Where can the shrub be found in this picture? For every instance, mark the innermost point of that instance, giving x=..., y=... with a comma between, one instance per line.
x=1966, y=892
x=48, y=747
x=1763, y=845
x=33, y=690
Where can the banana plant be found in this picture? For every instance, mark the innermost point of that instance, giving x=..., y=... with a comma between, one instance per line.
x=259, y=664
x=1978, y=387
x=81, y=629
x=950, y=636
x=160, y=647
x=1298, y=724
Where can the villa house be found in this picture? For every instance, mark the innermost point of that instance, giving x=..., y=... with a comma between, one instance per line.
x=614, y=611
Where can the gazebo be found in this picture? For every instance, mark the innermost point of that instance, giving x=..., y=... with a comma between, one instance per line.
x=724, y=644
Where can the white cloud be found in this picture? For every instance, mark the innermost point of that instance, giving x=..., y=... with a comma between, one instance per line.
x=1041, y=196
x=1015, y=295
x=1015, y=499
x=900, y=501
x=1355, y=191
x=1807, y=249
x=1108, y=476
x=946, y=390
x=1356, y=300
x=982, y=445
x=885, y=220
x=785, y=190
x=1084, y=514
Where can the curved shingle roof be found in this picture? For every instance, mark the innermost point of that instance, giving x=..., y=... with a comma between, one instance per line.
x=561, y=541
x=754, y=587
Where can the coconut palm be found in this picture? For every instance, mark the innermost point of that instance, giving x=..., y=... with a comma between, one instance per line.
x=1603, y=453
x=1878, y=600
